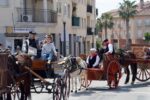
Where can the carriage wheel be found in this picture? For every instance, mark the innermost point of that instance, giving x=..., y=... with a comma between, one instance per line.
x=84, y=82
x=143, y=72
x=66, y=85
x=57, y=93
x=38, y=86
x=113, y=74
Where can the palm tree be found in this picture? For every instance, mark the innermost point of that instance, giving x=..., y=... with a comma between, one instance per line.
x=99, y=26
x=107, y=22
x=127, y=10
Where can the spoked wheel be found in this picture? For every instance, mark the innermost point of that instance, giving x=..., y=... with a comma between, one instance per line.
x=66, y=85
x=113, y=74
x=85, y=83
x=143, y=72
x=57, y=93
x=38, y=86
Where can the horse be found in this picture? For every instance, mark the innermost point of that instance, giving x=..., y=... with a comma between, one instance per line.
x=20, y=76
x=75, y=67
x=122, y=56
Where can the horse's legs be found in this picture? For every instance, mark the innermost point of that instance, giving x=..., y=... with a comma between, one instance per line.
x=134, y=72
x=8, y=96
x=128, y=75
x=22, y=91
x=75, y=84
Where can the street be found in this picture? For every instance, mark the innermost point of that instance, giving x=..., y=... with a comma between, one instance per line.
x=98, y=90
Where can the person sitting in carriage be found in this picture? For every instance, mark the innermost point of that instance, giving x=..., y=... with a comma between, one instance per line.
x=147, y=53
x=48, y=49
x=93, y=59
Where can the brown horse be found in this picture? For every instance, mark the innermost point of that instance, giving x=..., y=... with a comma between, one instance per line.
x=20, y=75
x=123, y=57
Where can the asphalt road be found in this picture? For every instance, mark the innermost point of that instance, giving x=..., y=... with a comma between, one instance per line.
x=98, y=90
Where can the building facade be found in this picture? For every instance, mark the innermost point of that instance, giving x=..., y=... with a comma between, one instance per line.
x=138, y=25
x=74, y=19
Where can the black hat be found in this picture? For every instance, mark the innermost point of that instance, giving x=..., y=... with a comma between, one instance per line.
x=106, y=40
x=33, y=33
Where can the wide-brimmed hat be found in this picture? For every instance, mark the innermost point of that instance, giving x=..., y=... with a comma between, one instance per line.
x=33, y=33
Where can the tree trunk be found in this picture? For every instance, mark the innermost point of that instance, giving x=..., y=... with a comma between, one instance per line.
x=128, y=42
x=105, y=32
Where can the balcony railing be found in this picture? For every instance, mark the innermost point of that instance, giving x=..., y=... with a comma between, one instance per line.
x=36, y=15
x=89, y=31
x=89, y=8
x=75, y=21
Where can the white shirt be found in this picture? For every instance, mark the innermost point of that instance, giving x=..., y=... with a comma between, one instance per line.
x=110, y=48
x=96, y=62
x=49, y=48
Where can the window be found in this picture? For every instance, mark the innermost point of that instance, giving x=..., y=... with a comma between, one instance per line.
x=147, y=22
x=59, y=7
x=3, y=2
x=138, y=22
x=139, y=34
x=68, y=10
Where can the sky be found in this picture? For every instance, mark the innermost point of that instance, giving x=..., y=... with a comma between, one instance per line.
x=107, y=5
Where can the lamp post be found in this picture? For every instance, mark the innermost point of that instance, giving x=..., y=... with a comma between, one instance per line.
x=64, y=47
x=64, y=27
x=93, y=34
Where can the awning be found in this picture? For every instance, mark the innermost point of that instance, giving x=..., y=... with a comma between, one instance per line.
x=16, y=34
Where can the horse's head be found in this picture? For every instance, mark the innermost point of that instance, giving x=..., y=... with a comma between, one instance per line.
x=122, y=55
x=24, y=60
x=73, y=63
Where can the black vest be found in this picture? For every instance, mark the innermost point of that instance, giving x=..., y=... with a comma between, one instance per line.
x=92, y=61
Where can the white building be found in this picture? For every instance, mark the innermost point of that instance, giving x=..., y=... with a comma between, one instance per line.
x=18, y=17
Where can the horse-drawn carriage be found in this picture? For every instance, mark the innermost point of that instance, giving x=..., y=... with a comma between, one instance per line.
x=21, y=70
x=109, y=70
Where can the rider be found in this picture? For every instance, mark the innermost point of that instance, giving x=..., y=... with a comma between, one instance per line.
x=93, y=59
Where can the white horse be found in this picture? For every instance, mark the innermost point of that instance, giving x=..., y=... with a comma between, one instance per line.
x=75, y=66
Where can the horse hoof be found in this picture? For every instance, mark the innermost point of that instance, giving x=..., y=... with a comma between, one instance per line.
x=125, y=82
x=132, y=83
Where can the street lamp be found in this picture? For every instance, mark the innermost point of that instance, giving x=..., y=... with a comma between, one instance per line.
x=93, y=34
x=64, y=27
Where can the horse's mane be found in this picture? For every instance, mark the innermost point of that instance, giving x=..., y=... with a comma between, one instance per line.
x=123, y=54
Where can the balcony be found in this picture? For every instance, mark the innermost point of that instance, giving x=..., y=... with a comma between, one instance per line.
x=36, y=15
x=89, y=31
x=89, y=8
x=75, y=21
